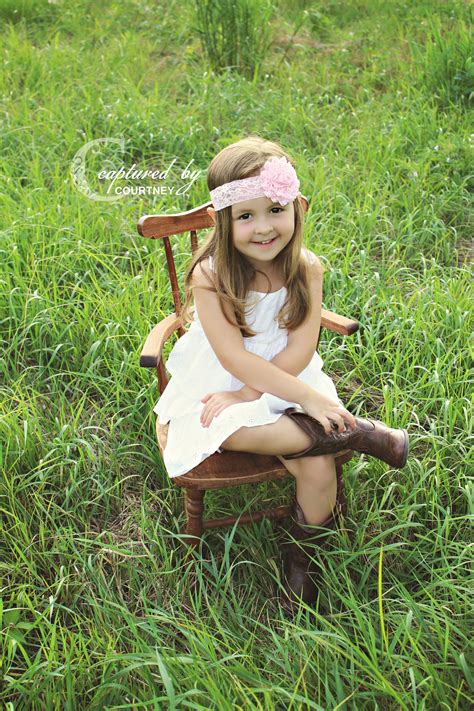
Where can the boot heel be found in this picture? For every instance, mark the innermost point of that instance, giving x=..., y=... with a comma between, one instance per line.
x=400, y=457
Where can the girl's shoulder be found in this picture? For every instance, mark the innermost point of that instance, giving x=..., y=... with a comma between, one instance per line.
x=310, y=256
x=203, y=274
x=312, y=259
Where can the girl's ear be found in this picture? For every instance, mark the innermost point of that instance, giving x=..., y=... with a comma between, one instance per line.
x=304, y=203
x=212, y=214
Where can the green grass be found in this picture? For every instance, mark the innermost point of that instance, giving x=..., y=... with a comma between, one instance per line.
x=372, y=99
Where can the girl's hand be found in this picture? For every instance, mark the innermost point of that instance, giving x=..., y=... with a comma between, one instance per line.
x=329, y=413
x=216, y=402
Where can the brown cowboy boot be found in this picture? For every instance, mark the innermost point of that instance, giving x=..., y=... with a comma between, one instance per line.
x=300, y=573
x=369, y=436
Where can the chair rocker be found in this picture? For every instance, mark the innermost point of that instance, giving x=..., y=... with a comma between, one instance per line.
x=225, y=469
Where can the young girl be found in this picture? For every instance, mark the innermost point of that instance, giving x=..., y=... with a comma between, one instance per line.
x=246, y=375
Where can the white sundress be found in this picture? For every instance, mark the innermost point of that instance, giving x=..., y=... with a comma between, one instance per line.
x=196, y=371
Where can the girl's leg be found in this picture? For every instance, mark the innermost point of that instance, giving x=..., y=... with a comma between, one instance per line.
x=316, y=483
x=281, y=437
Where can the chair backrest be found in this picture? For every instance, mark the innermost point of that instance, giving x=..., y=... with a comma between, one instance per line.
x=164, y=226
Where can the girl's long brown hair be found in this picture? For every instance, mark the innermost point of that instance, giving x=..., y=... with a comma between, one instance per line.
x=233, y=273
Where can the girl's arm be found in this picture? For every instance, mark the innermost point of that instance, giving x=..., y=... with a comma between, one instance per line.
x=264, y=376
x=290, y=360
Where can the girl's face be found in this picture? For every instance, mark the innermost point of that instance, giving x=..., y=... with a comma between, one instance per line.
x=257, y=221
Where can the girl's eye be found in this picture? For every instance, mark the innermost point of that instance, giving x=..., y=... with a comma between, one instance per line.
x=245, y=214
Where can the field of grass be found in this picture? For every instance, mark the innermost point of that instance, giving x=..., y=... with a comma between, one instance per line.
x=374, y=101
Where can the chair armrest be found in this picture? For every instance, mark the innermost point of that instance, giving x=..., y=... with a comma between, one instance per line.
x=151, y=352
x=338, y=324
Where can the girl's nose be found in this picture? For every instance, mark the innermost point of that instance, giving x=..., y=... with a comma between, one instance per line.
x=263, y=228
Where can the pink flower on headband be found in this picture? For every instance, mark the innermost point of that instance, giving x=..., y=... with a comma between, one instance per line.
x=279, y=181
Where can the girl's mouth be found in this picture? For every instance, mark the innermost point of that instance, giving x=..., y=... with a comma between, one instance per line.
x=266, y=243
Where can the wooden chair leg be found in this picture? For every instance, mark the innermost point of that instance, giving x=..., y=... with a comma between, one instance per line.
x=194, y=508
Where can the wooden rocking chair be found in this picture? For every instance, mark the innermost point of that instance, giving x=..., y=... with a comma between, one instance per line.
x=225, y=469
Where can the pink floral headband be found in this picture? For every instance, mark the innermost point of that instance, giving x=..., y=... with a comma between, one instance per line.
x=277, y=181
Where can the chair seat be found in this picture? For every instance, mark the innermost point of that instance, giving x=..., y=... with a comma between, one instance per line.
x=225, y=469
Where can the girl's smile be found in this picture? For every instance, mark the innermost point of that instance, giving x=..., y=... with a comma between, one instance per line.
x=268, y=243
